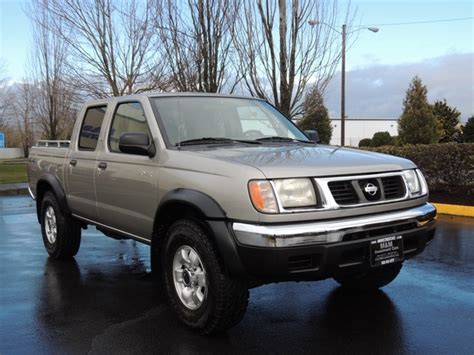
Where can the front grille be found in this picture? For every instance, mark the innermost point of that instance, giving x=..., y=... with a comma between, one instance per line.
x=367, y=189
x=343, y=192
x=393, y=187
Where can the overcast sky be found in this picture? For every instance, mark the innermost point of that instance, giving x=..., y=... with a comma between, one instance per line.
x=379, y=90
x=379, y=65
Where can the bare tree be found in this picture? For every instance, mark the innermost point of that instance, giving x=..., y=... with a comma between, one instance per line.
x=281, y=54
x=24, y=108
x=5, y=97
x=111, y=43
x=54, y=93
x=195, y=38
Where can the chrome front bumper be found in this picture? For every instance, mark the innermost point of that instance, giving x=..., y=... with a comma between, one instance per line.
x=330, y=231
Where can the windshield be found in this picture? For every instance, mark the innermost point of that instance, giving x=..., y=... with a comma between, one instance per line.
x=237, y=119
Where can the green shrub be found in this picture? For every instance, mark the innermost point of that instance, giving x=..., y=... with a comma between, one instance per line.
x=366, y=142
x=396, y=140
x=447, y=167
x=381, y=138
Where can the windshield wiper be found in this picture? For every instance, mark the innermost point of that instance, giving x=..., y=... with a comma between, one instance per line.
x=213, y=140
x=282, y=139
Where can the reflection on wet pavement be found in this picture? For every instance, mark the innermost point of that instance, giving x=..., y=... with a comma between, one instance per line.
x=105, y=301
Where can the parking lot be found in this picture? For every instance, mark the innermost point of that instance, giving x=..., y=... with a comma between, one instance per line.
x=104, y=301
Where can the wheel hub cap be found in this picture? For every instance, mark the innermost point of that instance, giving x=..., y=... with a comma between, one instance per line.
x=50, y=224
x=189, y=277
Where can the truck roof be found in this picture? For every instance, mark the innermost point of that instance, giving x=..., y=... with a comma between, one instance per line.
x=169, y=94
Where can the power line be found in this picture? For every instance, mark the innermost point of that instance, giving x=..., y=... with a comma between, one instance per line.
x=419, y=22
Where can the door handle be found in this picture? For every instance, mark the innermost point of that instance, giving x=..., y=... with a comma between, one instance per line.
x=73, y=162
x=102, y=165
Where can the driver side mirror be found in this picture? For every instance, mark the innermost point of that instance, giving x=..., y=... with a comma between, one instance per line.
x=312, y=135
x=136, y=143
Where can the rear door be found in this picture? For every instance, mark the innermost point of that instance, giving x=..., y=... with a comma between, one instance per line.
x=81, y=164
x=127, y=184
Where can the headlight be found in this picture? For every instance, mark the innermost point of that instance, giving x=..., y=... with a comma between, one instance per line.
x=416, y=182
x=289, y=193
x=295, y=192
x=424, y=185
x=262, y=196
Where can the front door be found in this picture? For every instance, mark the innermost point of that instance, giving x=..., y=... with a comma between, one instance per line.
x=127, y=184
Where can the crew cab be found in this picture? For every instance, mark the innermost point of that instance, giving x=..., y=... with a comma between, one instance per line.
x=230, y=194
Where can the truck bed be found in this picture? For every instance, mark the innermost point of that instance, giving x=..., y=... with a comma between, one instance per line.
x=47, y=156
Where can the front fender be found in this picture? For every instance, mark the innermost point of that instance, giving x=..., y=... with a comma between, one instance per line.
x=214, y=217
x=204, y=203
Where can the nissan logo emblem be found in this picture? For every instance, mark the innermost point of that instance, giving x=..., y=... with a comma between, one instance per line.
x=371, y=189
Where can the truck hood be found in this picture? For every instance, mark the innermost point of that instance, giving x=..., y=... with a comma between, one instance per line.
x=302, y=160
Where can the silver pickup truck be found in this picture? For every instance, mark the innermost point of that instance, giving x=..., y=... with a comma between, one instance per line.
x=230, y=195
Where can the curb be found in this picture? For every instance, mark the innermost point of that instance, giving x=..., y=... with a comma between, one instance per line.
x=13, y=192
x=12, y=189
x=455, y=210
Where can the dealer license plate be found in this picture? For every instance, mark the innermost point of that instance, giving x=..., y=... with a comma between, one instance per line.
x=385, y=251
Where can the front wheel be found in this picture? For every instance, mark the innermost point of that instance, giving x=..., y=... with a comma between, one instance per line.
x=198, y=288
x=61, y=233
x=370, y=280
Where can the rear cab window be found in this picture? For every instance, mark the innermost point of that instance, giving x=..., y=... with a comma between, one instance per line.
x=91, y=126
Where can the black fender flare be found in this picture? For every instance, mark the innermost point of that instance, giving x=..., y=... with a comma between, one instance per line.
x=204, y=203
x=215, y=219
x=53, y=184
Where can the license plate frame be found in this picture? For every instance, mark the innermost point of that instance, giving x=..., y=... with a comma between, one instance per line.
x=385, y=251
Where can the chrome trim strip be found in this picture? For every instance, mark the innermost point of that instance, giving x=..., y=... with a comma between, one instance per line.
x=132, y=236
x=33, y=197
x=325, y=231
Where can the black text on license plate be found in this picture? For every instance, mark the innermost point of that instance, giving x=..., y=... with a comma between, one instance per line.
x=385, y=251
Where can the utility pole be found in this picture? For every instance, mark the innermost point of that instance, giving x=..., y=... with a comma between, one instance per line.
x=313, y=23
x=343, y=87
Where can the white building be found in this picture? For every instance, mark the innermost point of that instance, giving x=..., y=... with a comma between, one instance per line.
x=359, y=128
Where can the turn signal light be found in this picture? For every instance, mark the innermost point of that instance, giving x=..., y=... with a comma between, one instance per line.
x=262, y=196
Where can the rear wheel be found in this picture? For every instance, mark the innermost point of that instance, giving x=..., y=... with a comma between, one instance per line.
x=198, y=288
x=61, y=233
x=370, y=280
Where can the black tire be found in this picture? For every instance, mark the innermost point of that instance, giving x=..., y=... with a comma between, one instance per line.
x=370, y=280
x=227, y=298
x=68, y=231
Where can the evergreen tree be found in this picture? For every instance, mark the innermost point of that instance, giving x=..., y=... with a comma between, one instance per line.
x=468, y=131
x=418, y=124
x=448, y=117
x=316, y=116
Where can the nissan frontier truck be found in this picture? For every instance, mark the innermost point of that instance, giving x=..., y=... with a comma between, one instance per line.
x=229, y=194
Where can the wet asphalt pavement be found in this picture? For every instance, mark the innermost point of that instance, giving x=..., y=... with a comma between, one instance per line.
x=104, y=301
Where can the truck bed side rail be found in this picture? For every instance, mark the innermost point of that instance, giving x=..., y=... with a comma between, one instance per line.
x=53, y=143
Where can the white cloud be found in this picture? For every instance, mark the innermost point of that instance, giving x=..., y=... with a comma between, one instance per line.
x=378, y=91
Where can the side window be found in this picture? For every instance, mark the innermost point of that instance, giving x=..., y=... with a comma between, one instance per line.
x=129, y=117
x=90, y=130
